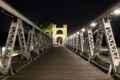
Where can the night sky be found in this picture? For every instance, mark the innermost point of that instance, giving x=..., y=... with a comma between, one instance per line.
x=75, y=13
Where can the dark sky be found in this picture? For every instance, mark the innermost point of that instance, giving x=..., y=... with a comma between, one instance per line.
x=73, y=12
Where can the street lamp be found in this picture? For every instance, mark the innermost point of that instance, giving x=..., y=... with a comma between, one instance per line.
x=83, y=29
x=78, y=33
x=116, y=12
x=93, y=24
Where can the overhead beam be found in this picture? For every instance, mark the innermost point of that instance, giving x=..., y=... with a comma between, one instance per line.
x=114, y=7
x=16, y=13
x=106, y=13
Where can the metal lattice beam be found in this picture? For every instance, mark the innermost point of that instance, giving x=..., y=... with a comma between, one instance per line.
x=14, y=12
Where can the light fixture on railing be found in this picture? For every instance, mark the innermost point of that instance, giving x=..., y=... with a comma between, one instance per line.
x=93, y=24
x=78, y=33
x=83, y=29
x=116, y=12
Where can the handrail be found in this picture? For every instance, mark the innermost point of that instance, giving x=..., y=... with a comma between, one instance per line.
x=16, y=13
x=114, y=7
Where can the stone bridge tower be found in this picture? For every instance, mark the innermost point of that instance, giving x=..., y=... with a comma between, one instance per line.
x=59, y=34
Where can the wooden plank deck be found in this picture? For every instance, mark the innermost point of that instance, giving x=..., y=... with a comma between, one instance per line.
x=60, y=64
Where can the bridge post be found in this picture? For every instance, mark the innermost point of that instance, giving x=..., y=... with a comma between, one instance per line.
x=86, y=44
x=99, y=39
x=22, y=40
x=77, y=41
x=115, y=57
x=9, y=48
x=90, y=42
x=72, y=43
x=82, y=41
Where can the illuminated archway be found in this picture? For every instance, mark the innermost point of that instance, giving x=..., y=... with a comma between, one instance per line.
x=59, y=40
x=59, y=32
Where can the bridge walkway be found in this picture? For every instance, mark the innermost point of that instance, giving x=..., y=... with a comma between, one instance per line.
x=60, y=64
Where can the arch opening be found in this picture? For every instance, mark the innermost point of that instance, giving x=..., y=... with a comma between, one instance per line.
x=59, y=32
x=59, y=41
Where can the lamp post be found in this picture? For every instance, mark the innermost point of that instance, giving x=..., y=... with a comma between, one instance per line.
x=93, y=24
x=116, y=12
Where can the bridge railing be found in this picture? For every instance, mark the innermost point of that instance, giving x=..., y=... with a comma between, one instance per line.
x=23, y=45
x=89, y=42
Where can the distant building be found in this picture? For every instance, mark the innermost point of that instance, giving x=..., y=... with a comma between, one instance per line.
x=59, y=34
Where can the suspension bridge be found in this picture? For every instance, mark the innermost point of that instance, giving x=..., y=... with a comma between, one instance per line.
x=34, y=55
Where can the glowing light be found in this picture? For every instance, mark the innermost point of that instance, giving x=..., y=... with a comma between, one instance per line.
x=93, y=24
x=3, y=50
x=14, y=54
x=83, y=29
x=1, y=65
x=78, y=32
x=116, y=12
